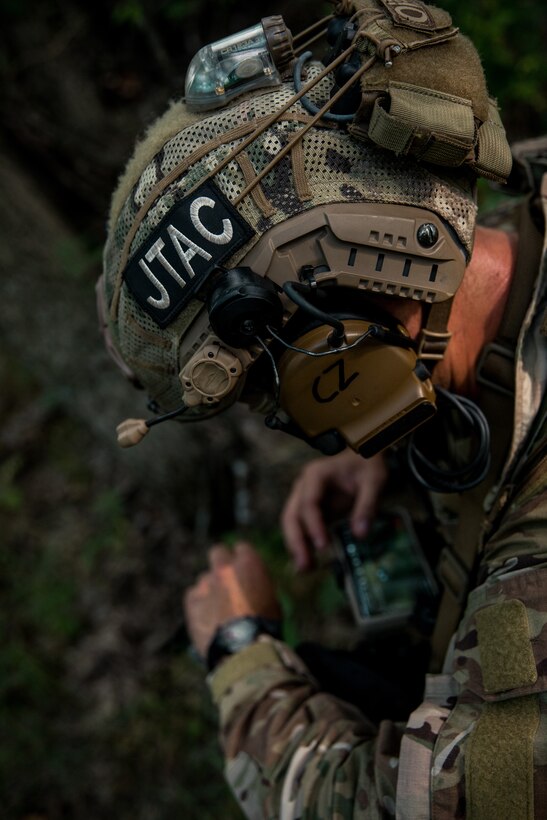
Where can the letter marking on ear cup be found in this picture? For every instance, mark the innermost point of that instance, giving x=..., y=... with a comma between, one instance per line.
x=343, y=382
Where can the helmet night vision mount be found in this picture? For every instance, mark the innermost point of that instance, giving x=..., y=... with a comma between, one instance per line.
x=255, y=255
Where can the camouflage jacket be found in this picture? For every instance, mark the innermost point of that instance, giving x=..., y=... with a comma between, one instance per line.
x=477, y=745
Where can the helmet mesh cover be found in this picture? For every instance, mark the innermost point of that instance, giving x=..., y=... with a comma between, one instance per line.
x=337, y=168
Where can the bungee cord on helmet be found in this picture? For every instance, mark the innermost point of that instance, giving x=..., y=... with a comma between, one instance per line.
x=353, y=176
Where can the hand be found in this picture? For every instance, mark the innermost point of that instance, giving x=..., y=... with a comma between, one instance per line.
x=345, y=484
x=236, y=584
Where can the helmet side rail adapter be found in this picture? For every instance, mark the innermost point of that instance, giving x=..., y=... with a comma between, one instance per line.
x=266, y=222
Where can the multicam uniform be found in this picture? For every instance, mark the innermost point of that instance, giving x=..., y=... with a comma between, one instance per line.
x=477, y=745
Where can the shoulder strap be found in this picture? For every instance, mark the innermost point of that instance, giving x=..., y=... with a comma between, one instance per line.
x=496, y=367
x=496, y=377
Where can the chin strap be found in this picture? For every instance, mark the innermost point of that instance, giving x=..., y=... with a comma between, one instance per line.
x=434, y=336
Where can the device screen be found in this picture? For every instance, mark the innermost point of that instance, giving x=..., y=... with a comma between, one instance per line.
x=386, y=573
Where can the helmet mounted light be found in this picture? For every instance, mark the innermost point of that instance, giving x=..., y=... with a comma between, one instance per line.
x=339, y=185
x=251, y=59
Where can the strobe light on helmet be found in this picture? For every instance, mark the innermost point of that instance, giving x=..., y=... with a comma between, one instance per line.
x=253, y=58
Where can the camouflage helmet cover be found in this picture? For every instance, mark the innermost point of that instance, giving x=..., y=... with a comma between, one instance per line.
x=422, y=134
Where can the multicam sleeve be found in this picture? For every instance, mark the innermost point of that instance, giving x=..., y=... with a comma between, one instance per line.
x=477, y=745
x=295, y=752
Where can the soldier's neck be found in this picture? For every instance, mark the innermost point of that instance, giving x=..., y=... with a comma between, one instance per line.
x=478, y=309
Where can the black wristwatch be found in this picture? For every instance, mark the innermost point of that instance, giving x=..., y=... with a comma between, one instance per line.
x=237, y=634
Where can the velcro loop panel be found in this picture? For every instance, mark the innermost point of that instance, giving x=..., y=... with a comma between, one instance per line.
x=413, y=24
x=494, y=160
x=432, y=126
x=499, y=763
x=417, y=15
x=507, y=659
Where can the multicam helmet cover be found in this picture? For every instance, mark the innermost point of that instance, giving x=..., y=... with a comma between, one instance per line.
x=205, y=188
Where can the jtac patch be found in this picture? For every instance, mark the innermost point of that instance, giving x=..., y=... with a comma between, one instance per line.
x=193, y=238
x=413, y=14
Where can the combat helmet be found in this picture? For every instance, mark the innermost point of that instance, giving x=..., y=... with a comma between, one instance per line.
x=260, y=216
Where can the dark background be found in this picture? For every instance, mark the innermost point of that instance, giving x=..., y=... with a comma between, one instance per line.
x=97, y=543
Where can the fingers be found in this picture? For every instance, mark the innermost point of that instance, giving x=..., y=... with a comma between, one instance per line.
x=219, y=555
x=249, y=566
x=338, y=485
x=200, y=588
x=367, y=496
x=245, y=550
x=302, y=520
x=362, y=512
x=304, y=531
x=297, y=544
x=235, y=585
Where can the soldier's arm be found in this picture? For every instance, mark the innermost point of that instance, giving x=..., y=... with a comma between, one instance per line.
x=294, y=752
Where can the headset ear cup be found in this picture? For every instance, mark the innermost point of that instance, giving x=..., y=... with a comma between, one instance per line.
x=242, y=305
x=372, y=393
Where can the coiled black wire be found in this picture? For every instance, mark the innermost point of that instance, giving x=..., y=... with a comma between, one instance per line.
x=308, y=105
x=468, y=423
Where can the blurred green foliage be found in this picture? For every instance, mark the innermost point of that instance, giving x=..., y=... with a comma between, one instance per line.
x=137, y=12
x=89, y=730
x=510, y=37
x=129, y=11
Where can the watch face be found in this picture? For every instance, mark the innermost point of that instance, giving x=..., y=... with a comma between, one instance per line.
x=239, y=634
